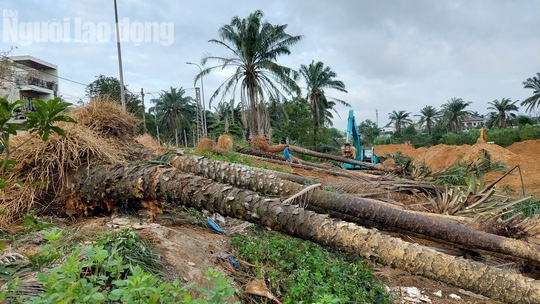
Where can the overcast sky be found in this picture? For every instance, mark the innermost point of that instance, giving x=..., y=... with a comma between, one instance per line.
x=391, y=55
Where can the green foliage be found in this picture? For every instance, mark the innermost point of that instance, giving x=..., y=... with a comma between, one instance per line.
x=368, y=131
x=110, y=86
x=39, y=123
x=254, y=45
x=97, y=279
x=97, y=275
x=529, y=208
x=524, y=120
x=503, y=137
x=461, y=173
x=533, y=84
x=217, y=129
x=400, y=120
x=462, y=138
x=32, y=223
x=300, y=270
x=299, y=125
x=131, y=249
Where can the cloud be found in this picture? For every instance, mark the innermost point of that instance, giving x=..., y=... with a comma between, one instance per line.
x=392, y=55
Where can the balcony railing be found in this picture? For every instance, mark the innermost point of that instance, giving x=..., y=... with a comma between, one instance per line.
x=29, y=78
x=37, y=82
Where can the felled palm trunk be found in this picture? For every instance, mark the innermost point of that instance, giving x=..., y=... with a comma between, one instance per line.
x=266, y=182
x=327, y=170
x=340, y=159
x=109, y=187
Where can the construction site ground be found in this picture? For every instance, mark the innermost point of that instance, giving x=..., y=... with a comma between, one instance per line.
x=189, y=250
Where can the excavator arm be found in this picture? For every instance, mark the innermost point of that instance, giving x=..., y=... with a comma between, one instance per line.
x=355, y=151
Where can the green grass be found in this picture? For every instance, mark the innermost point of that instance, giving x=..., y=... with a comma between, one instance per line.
x=301, y=271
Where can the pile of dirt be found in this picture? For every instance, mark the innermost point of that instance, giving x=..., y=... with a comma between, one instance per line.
x=526, y=154
x=226, y=143
x=93, y=139
x=392, y=149
x=443, y=156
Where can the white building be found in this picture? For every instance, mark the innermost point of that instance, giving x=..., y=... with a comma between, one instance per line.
x=32, y=78
x=474, y=122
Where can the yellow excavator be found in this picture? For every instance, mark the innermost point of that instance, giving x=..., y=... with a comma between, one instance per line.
x=482, y=139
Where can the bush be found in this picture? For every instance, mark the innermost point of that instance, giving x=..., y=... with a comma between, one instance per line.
x=304, y=271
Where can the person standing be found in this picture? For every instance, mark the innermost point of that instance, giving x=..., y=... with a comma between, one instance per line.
x=286, y=154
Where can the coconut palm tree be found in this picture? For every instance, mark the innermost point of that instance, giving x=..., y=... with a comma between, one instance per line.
x=399, y=119
x=534, y=84
x=453, y=113
x=503, y=116
x=176, y=109
x=428, y=116
x=318, y=78
x=255, y=44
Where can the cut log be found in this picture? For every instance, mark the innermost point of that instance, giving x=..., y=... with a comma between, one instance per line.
x=326, y=170
x=265, y=181
x=340, y=159
x=106, y=187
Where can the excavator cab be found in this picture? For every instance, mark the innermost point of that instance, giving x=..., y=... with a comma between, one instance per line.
x=368, y=155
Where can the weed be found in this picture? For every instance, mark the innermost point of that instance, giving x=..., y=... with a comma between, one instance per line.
x=132, y=249
x=98, y=276
x=32, y=223
x=529, y=208
x=300, y=270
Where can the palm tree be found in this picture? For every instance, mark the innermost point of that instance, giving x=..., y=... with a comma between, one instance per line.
x=534, y=84
x=502, y=117
x=255, y=45
x=400, y=120
x=176, y=109
x=428, y=116
x=318, y=78
x=453, y=113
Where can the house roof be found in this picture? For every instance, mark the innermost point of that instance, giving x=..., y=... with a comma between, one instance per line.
x=33, y=62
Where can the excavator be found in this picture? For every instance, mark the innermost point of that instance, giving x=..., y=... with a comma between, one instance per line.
x=356, y=152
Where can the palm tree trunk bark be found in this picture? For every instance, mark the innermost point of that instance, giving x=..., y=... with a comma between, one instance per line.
x=106, y=188
x=322, y=169
x=266, y=182
x=340, y=159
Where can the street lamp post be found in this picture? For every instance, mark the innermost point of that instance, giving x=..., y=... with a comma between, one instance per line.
x=122, y=94
x=203, y=103
x=155, y=116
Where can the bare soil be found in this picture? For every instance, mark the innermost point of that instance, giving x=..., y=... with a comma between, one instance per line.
x=525, y=154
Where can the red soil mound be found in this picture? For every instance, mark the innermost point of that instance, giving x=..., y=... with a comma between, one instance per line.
x=525, y=154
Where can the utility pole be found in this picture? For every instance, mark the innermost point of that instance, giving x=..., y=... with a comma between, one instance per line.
x=205, y=129
x=143, y=110
x=123, y=97
x=200, y=115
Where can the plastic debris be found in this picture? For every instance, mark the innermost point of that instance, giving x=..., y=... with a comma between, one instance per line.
x=213, y=225
x=233, y=265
